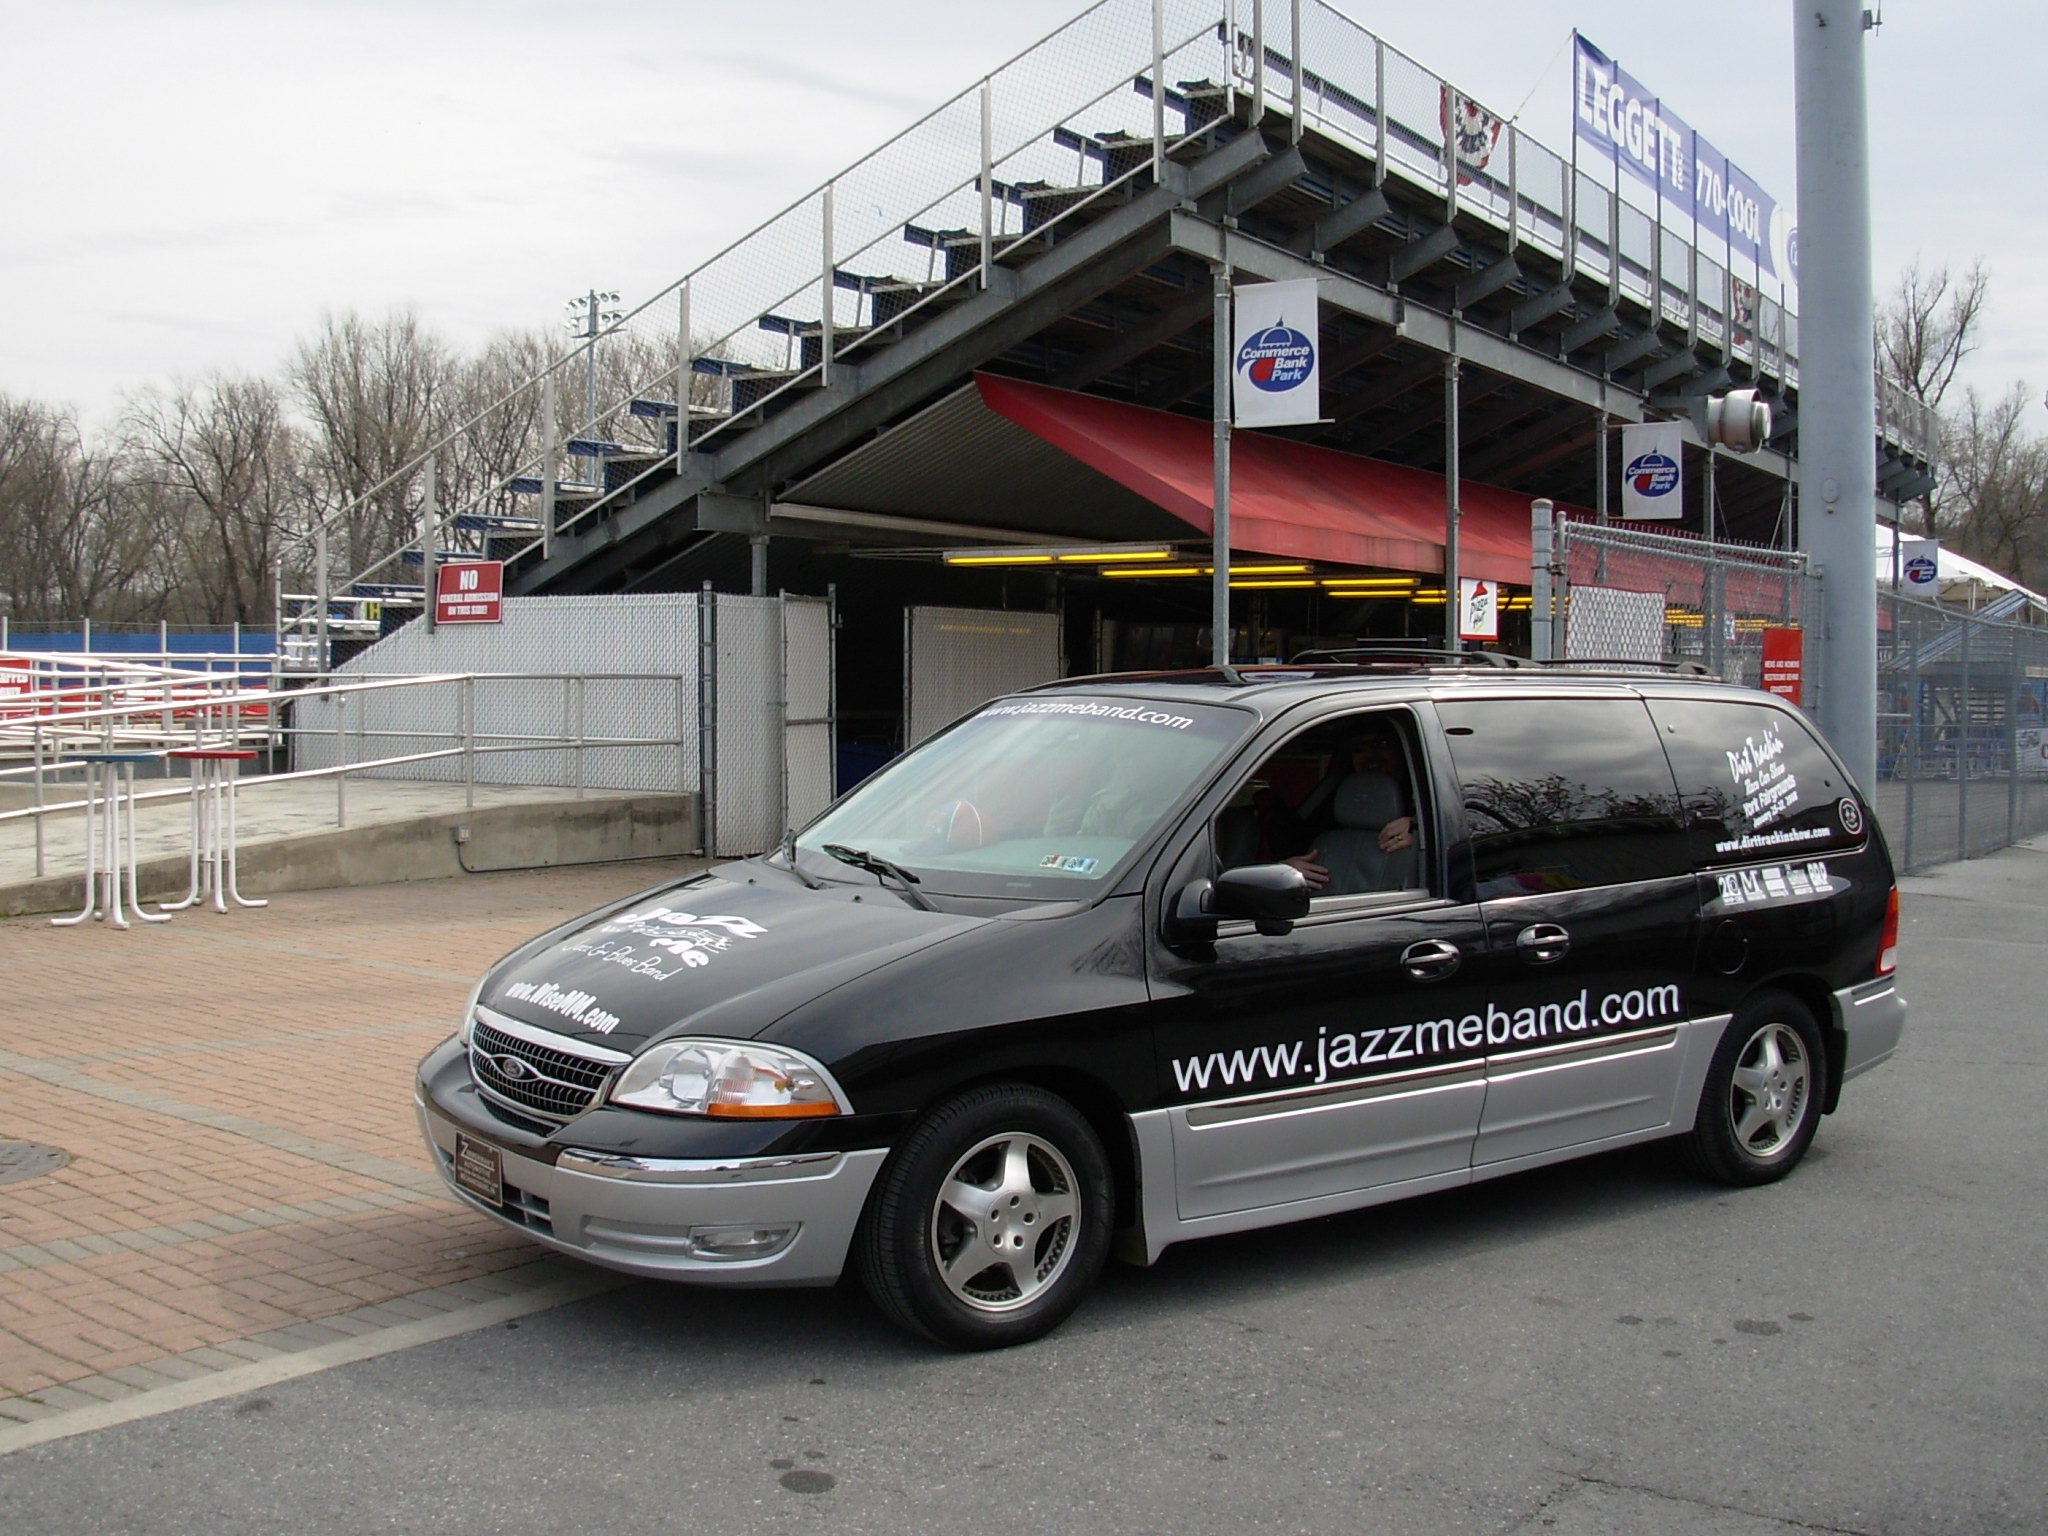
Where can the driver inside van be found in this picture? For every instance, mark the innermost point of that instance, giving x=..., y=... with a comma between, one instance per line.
x=1354, y=831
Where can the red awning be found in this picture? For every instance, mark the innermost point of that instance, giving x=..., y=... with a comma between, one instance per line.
x=1286, y=498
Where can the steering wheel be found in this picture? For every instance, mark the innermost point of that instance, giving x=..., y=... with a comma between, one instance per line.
x=960, y=825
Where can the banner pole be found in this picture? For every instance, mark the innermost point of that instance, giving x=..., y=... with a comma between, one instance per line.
x=1219, y=542
x=1453, y=608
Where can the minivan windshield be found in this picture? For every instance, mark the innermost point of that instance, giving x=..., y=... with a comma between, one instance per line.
x=1032, y=796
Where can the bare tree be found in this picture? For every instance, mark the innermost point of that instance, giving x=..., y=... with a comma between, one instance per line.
x=376, y=393
x=1998, y=473
x=1925, y=331
x=226, y=461
x=71, y=543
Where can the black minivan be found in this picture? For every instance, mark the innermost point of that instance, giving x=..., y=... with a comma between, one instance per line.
x=1123, y=961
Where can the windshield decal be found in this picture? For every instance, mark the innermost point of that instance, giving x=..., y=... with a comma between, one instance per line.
x=1090, y=709
x=1070, y=863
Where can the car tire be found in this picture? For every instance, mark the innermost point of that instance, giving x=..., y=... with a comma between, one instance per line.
x=1761, y=1103
x=1006, y=1173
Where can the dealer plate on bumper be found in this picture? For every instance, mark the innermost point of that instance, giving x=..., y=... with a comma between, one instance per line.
x=479, y=1170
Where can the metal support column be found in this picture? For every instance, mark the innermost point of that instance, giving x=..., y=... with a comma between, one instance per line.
x=1837, y=377
x=1542, y=558
x=686, y=371
x=707, y=719
x=1158, y=95
x=321, y=596
x=825, y=334
x=430, y=538
x=1219, y=541
x=1453, y=608
x=550, y=465
x=988, y=185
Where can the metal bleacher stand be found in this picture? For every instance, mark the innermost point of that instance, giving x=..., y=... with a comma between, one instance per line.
x=109, y=835
x=213, y=827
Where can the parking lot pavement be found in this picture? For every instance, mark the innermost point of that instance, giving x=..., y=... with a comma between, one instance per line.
x=1606, y=1348
x=233, y=1092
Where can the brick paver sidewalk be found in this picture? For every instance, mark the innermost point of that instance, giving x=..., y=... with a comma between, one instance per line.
x=235, y=1094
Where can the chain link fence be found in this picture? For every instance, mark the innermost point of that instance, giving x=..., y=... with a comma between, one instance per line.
x=1627, y=594
x=1962, y=763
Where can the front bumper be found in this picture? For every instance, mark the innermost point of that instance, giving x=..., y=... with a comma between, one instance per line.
x=1873, y=1018
x=637, y=1214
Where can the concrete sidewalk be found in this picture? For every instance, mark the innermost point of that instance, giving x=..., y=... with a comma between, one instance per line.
x=234, y=1094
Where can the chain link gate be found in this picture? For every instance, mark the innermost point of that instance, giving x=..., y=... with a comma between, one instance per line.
x=765, y=706
x=1623, y=594
x=956, y=658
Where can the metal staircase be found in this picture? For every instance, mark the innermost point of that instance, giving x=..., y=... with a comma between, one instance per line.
x=1064, y=173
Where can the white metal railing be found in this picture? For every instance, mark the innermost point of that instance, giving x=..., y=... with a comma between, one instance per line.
x=157, y=715
x=928, y=216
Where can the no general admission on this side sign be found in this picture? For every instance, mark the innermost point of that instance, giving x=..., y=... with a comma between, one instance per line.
x=469, y=592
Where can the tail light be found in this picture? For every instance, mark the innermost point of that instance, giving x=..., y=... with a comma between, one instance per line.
x=1888, y=940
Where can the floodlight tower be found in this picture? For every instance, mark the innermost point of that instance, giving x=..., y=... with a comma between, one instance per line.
x=1837, y=368
x=588, y=317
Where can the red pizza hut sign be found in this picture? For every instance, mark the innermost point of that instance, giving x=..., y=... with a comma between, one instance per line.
x=469, y=592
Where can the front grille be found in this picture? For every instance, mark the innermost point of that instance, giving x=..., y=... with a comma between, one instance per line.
x=554, y=1084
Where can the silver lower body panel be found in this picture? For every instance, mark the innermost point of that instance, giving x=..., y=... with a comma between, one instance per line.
x=1873, y=1016
x=637, y=1215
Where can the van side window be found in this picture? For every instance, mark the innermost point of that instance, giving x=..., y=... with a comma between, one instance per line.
x=1754, y=782
x=1563, y=794
x=1338, y=802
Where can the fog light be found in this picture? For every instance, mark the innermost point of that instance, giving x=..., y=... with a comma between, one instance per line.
x=733, y=1243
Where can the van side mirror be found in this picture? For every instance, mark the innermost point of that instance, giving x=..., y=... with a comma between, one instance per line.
x=1271, y=897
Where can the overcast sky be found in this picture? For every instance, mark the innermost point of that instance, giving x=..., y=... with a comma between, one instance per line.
x=188, y=184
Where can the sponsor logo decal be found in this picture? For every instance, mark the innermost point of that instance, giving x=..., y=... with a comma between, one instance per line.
x=1653, y=474
x=1277, y=359
x=1775, y=885
x=1851, y=815
x=1769, y=792
x=673, y=941
x=579, y=1006
x=1346, y=1051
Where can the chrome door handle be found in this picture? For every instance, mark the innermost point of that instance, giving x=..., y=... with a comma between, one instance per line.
x=1541, y=943
x=1431, y=959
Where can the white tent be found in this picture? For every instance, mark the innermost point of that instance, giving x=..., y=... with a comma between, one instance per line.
x=1964, y=582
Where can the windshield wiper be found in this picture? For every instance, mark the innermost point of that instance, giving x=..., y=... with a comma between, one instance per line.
x=788, y=852
x=882, y=870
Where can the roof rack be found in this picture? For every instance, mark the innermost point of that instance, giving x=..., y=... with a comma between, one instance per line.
x=1414, y=656
x=1629, y=664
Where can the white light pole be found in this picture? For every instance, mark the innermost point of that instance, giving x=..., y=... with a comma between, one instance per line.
x=587, y=319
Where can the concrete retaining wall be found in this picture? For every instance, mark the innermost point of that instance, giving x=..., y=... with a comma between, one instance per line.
x=501, y=837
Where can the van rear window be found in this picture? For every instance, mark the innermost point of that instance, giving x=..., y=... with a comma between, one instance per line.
x=1754, y=783
x=1563, y=794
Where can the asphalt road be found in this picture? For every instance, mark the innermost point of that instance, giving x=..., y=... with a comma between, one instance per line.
x=1608, y=1347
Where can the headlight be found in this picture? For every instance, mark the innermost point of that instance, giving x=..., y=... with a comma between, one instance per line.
x=729, y=1079
x=468, y=1020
